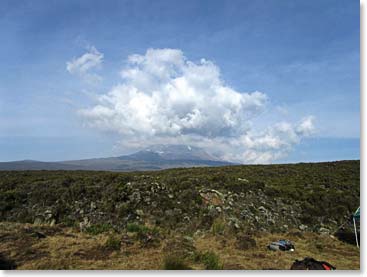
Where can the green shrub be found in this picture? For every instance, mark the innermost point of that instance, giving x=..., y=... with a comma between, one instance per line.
x=218, y=227
x=136, y=228
x=113, y=243
x=98, y=229
x=175, y=263
x=210, y=260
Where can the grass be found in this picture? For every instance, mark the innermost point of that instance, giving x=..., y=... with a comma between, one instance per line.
x=97, y=229
x=113, y=243
x=136, y=228
x=175, y=263
x=210, y=260
x=140, y=212
x=218, y=226
x=67, y=248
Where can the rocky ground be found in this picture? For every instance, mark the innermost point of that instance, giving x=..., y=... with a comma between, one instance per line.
x=148, y=209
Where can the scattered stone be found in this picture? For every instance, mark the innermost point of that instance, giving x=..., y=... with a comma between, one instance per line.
x=140, y=212
x=302, y=227
x=262, y=209
x=323, y=230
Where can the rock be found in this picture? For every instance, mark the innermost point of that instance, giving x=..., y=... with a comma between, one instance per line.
x=243, y=180
x=188, y=238
x=234, y=222
x=48, y=216
x=140, y=212
x=212, y=197
x=170, y=196
x=323, y=230
x=262, y=209
x=302, y=227
x=135, y=196
x=219, y=209
x=93, y=206
x=84, y=224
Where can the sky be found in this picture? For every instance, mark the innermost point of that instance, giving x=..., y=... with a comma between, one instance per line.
x=249, y=81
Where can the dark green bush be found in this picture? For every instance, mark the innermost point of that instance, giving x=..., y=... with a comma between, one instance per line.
x=98, y=229
x=175, y=263
x=113, y=243
x=136, y=228
x=210, y=260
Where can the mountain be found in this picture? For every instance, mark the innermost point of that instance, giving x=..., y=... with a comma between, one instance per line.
x=155, y=157
x=172, y=152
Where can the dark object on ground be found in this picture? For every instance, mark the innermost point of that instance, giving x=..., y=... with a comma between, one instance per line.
x=39, y=235
x=282, y=245
x=34, y=233
x=311, y=264
x=6, y=264
x=347, y=235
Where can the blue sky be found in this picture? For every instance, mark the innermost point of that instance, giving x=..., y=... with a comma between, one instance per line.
x=303, y=55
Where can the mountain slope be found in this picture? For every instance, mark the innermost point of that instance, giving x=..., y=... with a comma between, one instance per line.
x=153, y=158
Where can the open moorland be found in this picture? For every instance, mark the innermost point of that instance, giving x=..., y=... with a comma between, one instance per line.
x=191, y=218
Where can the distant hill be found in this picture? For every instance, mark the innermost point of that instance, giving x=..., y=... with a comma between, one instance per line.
x=155, y=157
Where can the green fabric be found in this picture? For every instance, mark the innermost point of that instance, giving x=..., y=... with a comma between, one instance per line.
x=357, y=214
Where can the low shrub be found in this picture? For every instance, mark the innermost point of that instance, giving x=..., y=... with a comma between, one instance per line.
x=210, y=260
x=113, y=243
x=172, y=262
x=98, y=229
x=218, y=227
x=136, y=228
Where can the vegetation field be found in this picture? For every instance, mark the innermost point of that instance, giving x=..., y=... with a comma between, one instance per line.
x=193, y=218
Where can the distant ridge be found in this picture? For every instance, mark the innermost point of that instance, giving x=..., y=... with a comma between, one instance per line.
x=155, y=157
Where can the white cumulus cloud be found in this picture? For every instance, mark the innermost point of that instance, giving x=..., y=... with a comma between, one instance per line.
x=83, y=65
x=165, y=98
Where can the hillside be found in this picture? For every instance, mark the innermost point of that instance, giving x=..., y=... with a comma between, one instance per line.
x=232, y=200
x=155, y=157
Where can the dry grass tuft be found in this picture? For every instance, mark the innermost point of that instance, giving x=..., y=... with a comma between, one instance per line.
x=67, y=248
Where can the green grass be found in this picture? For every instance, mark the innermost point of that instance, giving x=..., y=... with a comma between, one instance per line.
x=113, y=243
x=98, y=229
x=210, y=260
